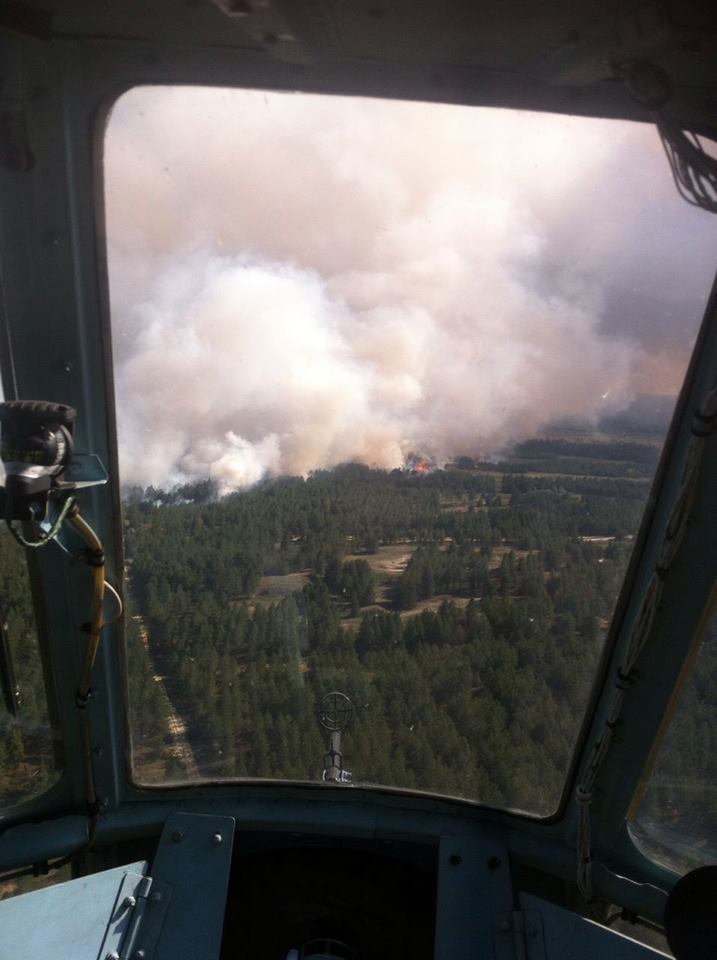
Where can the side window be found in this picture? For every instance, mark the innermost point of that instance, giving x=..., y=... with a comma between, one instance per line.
x=30, y=756
x=676, y=821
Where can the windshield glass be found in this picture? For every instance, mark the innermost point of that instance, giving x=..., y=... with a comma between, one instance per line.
x=392, y=382
x=30, y=748
x=676, y=821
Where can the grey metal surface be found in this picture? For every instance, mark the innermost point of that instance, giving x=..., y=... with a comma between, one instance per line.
x=569, y=936
x=69, y=920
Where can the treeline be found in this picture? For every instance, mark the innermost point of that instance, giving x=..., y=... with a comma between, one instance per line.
x=442, y=698
x=459, y=570
x=548, y=448
x=352, y=582
x=287, y=525
x=572, y=466
x=479, y=701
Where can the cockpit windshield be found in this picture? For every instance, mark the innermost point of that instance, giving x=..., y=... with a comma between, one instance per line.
x=392, y=382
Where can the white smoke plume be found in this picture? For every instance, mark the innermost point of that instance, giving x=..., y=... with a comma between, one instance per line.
x=302, y=281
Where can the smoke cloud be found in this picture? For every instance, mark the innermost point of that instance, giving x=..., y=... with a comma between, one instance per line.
x=301, y=281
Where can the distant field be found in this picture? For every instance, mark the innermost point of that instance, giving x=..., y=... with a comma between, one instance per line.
x=271, y=589
x=498, y=552
x=388, y=563
x=390, y=560
x=433, y=604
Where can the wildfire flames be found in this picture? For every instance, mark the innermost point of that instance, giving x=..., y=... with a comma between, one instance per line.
x=417, y=463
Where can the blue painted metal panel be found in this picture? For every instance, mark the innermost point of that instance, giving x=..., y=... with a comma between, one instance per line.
x=67, y=920
x=193, y=858
x=473, y=887
x=568, y=936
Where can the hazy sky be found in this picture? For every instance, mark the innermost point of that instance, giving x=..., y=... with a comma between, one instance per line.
x=297, y=281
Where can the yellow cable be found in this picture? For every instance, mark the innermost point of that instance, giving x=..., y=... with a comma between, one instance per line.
x=95, y=557
x=94, y=547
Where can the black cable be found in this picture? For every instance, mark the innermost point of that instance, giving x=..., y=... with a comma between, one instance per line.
x=693, y=169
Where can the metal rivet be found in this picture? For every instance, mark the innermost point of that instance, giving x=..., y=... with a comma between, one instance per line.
x=139, y=955
x=217, y=839
x=112, y=956
x=177, y=836
x=130, y=901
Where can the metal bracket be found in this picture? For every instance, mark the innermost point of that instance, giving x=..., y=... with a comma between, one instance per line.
x=158, y=919
x=519, y=936
x=141, y=903
x=194, y=856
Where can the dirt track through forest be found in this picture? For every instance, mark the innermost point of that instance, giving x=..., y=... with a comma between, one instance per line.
x=177, y=727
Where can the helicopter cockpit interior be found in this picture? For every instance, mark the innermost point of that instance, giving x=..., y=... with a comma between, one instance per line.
x=358, y=427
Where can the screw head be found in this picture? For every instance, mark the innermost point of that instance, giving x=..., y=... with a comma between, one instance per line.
x=112, y=956
x=177, y=836
x=217, y=839
x=455, y=859
x=130, y=902
x=139, y=955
